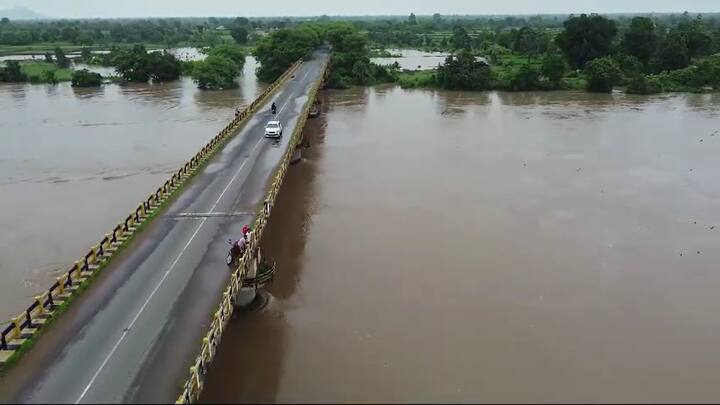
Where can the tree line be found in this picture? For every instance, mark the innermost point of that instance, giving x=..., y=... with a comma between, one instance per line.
x=670, y=53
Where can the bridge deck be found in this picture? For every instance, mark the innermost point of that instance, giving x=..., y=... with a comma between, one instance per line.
x=133, y=334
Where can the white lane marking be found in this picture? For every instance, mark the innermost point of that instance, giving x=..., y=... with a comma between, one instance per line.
x=157, y=287
x=306, y=75
x=212, y=214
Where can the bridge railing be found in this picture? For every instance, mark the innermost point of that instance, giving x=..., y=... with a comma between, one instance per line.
x=19, y=334
x=193, y=386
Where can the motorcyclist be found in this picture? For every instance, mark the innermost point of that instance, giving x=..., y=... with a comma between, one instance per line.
x=240, y=246
x=273, y=108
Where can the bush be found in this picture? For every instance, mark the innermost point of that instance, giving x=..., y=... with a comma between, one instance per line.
x=86, y=78
x=232, y=52
x=423, y=78
x=12, y=72
x=554, y=68
x=215, y=72
x=525, y=78
x=163, y=67
x=642, y=84
x=602, y=74
x=137, y=65
x=464, y=72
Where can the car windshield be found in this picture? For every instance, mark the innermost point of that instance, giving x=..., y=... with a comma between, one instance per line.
x=273, y=125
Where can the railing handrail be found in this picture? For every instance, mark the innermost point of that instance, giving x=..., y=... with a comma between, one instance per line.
x=193, y=385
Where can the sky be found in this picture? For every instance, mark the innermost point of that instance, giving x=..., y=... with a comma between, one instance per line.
x=261, y=8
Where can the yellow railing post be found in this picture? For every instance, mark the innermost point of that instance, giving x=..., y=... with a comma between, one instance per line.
x=61, y=284
x=41, y=308
x=17, y=332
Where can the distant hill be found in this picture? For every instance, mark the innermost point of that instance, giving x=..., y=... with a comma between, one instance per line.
x=20, y=13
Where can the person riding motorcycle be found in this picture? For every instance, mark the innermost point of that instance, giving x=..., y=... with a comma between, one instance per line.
x=237, y=248
x=273, y=108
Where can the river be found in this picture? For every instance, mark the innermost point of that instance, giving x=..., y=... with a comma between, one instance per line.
x=412, y=59
x=515, y=247
x=432, y=246
x=74, y=162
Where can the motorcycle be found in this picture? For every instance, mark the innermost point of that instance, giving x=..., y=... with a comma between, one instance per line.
x=273, y=109
x=234, y=254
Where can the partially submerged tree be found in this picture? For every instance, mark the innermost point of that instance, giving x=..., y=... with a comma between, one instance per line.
x=215, y=72
x=463, y=71
x=86, y=78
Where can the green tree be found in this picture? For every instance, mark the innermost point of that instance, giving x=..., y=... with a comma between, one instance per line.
x=215, y=72
x=86, y=78
x=586, y=38
x=86, y=54
x=49, y=58
x=60, y=58
x=673, y=52
x=361, y=72
x=48, y=76
x=412, y=20
x=239, y=34
x=630, y=67
x=525, y=77
x=641, y=39
x=460, y=38
x=554, y=68
x=132, y=64
x=463, y=72
x=5, y=21
x=602, y=74
x=529, y=42
x=12, y=72
x=277, y=51
x=163, y=66
x=641, y=84
x=241, y=22
x=707, y=72
x=697, y=39
x=232, y=52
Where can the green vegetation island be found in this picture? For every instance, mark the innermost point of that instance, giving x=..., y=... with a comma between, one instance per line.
x=643, y=54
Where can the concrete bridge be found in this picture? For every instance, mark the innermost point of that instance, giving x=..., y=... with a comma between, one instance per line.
x=145, y=308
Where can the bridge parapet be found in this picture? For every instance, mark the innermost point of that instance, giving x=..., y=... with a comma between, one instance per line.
x=19, y=334
x=238, y=280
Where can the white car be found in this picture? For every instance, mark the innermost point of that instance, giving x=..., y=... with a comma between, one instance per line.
x=273, y=129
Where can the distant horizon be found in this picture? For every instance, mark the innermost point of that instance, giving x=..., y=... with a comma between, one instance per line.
x=132, y=9
x=44, y=17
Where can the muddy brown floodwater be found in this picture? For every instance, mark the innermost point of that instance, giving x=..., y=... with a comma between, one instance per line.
x=73, y=162
x=463, y=247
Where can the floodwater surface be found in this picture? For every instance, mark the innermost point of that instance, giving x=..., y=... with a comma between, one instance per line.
x=461, y=247
x=74, y=162
x=413, y=59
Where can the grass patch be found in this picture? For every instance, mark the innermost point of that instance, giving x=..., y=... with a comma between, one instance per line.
x=416, y=79
x=37, y=72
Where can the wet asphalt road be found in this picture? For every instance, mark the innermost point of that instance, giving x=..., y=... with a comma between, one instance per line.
x=133, y=335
